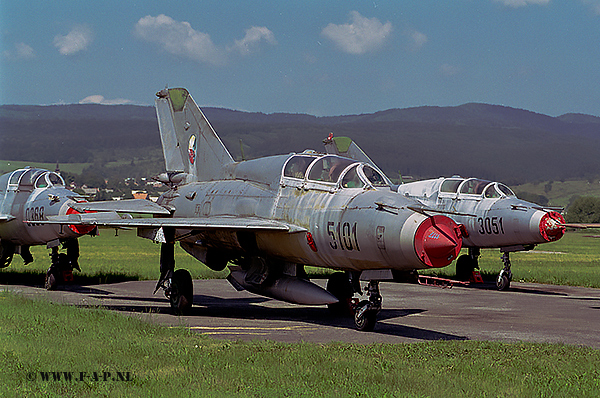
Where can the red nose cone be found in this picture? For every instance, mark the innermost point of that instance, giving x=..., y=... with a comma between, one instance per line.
x=550, y=227
x=79, y=229
x=438, y=241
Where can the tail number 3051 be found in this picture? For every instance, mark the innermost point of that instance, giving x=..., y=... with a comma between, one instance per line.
x=490, y=225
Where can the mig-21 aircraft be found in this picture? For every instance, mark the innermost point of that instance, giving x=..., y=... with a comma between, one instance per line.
x=272, y=216
x=490, y=213
x=28, y=196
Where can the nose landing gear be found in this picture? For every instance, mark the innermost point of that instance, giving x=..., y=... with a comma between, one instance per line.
x=365, y=312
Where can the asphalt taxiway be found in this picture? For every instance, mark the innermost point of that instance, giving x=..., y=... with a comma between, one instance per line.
x=411, y=313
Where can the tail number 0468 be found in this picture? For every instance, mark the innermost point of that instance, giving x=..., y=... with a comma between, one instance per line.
x=343, y=236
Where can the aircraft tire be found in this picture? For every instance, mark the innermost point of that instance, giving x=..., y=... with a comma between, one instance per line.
x=51, y=281
x=502, y=281
x=339, y=285
x=182, y=292
x=366, y=321
x=464, y=267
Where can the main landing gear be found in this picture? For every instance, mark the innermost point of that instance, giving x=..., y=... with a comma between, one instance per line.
x=177, y=285
x=343, y=285
x=63, y=264
x=467, y=263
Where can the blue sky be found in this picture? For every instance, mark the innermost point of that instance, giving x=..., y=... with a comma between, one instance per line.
x=316, y=57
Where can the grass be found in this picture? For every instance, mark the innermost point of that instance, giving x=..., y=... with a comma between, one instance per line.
x=108, y=258
x=562, y=191
x=37, y=336
x=573, y=260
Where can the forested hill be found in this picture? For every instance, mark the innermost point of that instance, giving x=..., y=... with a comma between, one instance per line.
x=487, y=141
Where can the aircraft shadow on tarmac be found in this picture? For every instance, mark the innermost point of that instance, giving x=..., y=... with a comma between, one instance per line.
x=37, y=278
x=248, y=309
x=516, y=289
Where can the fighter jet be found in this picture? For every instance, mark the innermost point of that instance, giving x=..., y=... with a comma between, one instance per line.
x=270, y=217
x=491, y=214
x=27, y=197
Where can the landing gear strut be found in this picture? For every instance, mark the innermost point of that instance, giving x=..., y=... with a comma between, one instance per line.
x=466, y=263
x=366, y=311
x=505, y=276
x=61, y=269
x=177, y=285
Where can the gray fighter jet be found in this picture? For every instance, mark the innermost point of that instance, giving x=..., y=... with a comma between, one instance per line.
x=272, y=216
x=490, y=213
x=28, y=196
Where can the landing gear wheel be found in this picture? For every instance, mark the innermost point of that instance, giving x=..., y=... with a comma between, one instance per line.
x=52, y=279
x=464, y=267
x=502, y=281
x=365, y=317
x=339, y=285
x=181, y=295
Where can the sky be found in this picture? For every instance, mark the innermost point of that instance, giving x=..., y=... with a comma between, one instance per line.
x=317, y=57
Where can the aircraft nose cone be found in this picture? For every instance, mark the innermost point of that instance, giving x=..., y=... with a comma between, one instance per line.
x=550, y=227
x=438, y=241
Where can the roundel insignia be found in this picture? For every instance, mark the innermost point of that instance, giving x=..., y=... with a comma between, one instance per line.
x=192, y=149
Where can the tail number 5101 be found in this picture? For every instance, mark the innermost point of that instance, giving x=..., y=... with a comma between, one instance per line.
x=343, y=236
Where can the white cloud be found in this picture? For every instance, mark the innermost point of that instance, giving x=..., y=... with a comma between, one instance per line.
x=522, y=3
x=449, y=70
x=359, y=36
x=417, y=39
x=99, y=99
x=594, y=6
x=252, y=39
x=181, y=39
x=22, y=51
x=78, y=39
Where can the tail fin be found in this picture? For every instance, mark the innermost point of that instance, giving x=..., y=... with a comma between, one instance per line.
x=190, y=144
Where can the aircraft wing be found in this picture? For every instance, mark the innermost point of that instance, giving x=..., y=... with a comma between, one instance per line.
x=6, y=217
x=113, y=220
x=141, y=206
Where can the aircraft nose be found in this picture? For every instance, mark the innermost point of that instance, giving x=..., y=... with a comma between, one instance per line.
x=550, y=226
x=438, y=241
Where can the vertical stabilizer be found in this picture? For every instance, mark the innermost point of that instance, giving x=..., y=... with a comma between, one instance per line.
x=189, y=142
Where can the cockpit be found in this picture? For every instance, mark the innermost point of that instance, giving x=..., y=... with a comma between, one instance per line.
x=475, y=186
x=29, y=179
x=332, y=169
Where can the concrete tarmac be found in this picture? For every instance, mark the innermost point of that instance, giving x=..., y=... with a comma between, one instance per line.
x=411, y=313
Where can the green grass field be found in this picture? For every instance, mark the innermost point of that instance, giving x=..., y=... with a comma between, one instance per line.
x=109, y=355
x=138, y=358
x=573, y=260
x=562, y=191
